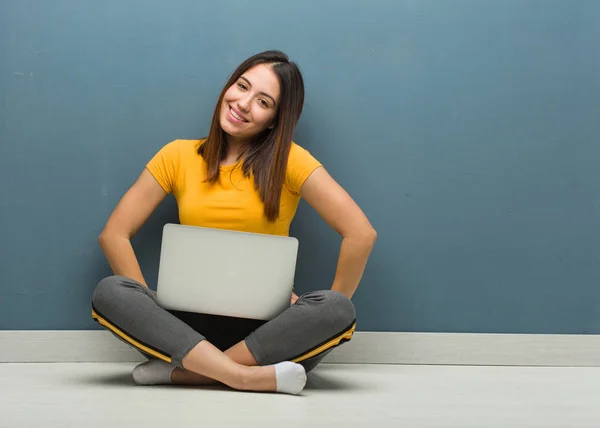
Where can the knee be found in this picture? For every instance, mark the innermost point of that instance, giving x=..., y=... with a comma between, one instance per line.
x=341, y=307
x=335, y=306
x=106, y=291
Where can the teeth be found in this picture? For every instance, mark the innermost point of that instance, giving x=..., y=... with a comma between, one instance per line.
x=234, y=114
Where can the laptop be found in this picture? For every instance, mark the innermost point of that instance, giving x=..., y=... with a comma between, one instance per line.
x=224, y=272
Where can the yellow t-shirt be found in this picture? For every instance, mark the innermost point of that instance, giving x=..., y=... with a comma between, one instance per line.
x=231, y=203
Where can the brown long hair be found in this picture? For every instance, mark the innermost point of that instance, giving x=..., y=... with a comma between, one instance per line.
x=266, y=156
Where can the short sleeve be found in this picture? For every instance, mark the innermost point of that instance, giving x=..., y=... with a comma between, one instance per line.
x=165, y=164
x=300, y=165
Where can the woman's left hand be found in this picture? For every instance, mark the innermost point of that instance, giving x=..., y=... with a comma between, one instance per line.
x=294, y=298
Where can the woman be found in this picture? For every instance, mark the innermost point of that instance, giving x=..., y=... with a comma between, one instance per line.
x=247, y=175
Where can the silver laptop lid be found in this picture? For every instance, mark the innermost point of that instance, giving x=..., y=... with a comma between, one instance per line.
x=224, y=272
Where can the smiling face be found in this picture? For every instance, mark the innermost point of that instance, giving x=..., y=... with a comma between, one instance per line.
x=250, y=105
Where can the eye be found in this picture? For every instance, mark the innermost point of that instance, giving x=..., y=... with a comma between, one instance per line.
x=263, y=103
x=242, y=86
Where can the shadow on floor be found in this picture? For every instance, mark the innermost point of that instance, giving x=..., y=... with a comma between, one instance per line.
x=321, y=381
x=318, y=380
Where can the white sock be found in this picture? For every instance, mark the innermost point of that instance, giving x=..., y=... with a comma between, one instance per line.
x=291, y=377
x=153, y=372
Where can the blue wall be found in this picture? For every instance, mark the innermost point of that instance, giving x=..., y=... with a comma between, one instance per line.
x=467, y=130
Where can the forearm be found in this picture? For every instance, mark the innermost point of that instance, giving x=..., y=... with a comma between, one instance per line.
x=121, y=257
x=354, y=253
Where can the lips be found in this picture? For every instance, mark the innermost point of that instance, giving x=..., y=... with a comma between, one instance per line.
x=236, y=115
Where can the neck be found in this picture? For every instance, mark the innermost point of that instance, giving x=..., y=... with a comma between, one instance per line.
x=234, y=145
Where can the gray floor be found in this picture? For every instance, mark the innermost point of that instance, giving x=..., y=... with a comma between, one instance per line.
x=344, y=396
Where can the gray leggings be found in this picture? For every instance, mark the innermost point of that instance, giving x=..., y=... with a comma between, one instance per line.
x=304, y=333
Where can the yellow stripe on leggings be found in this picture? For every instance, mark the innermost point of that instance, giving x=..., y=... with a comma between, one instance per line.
x=334, y=342
x=135, y=343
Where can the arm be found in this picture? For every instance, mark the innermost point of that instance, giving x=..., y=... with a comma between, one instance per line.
x=130, y=214
x=338, y=209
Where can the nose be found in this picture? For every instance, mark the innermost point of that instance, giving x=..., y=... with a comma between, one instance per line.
x=244, y=104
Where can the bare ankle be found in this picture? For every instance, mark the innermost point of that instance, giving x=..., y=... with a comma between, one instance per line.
x=244, y=380
x=177, y=375
x=180, y=376
x=258, y=379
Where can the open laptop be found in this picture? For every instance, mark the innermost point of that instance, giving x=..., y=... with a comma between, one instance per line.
x=224, y=272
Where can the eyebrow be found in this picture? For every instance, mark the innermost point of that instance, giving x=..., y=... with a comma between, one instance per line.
x=262, y=93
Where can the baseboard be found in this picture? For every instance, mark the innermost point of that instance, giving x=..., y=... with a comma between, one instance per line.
x=365, y=348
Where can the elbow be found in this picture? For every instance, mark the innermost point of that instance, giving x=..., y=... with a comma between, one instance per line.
x=374, y=234
x=371, y=236
x=102, y=239
x=110, y=238
x=105, y=238
x=366, y=235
